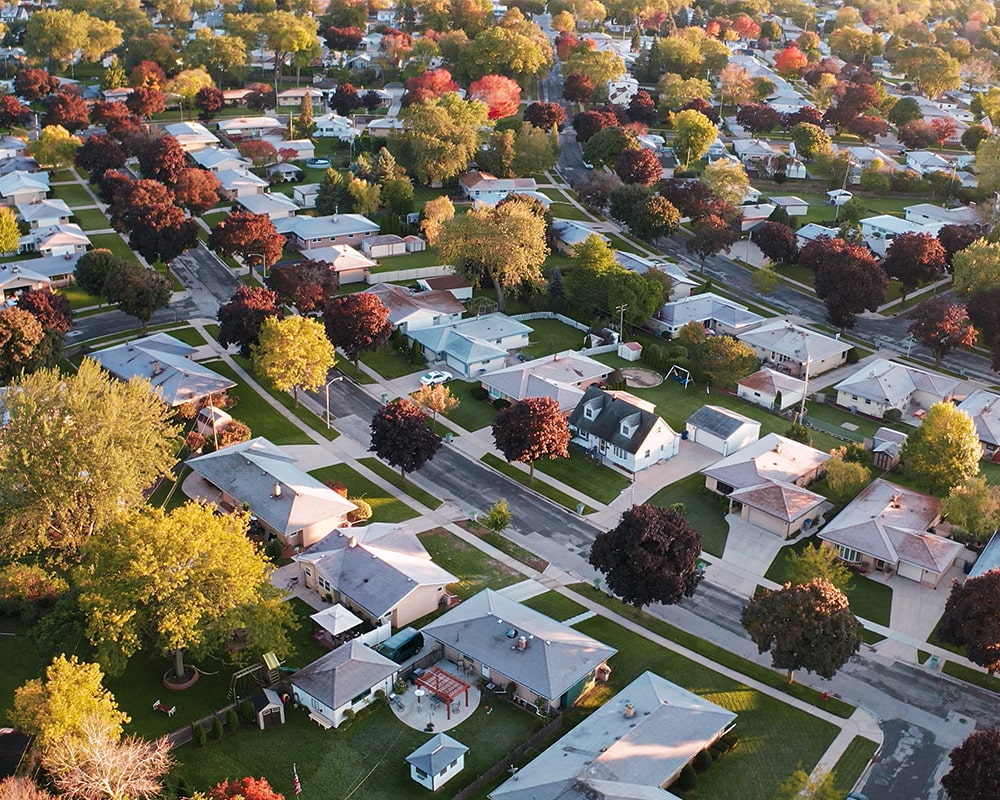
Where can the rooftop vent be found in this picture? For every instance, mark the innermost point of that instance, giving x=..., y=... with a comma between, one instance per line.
x=277, y=490
x=352, y=542
x=511, y=633
x=629, y=711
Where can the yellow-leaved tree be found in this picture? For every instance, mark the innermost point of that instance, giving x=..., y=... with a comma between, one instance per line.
x=294, y=353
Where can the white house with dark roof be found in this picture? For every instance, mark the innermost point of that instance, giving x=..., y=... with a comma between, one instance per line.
x=437, y=761
x=791, y=347
x=379, y=571
x=345, y=679
x=771, y=389
x=622, y=430
x=474, y=346
x=308, y=233
x=482, y=187
x=721, y=429
x=564, y=377
x=511, y=645
x=711, y=311
x=984, y=408
x=288, y=502
x=881, y=385
x=681, y=284
x=273, y=205
x=886, y=529
x=45, y=213
x=768, y=480
x=167, y=364
x=412, y=311
x=631, y=748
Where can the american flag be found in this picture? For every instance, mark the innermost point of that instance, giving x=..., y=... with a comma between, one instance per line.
x=295, y=777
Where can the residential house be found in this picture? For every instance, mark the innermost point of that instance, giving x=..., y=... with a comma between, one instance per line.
x=284, y=172
x=236, y=97
x=936, y=217
x=622, y=430
x=770, y=389
x=117, y=94
x=633, y=746
x=721, y=429
x=12, y=147
x=711, y=311
x=472, y=347
x=437, y=761
x=167, y=364
x=239, y=128
x=569, y=233
x=459, y=287
x=23, y=188
x=383, y=246
x=293, y=97
x=754, y=215
x=240, y=183
x=540, y=661
x=622, y=90
x=792, y=168
x=564, y=377
x=272, y=205
x=753, y=151
x=345, y=679
x=411, y=311
x=768, y=481
x=308, y=233
x=380, y=571
x=294, y=149
x=381, y=127
x=53, y=271
x=482, y=187
x=192, y=136
x=811, y=231
x=989, y=558
x=887, y=445
x=215, y=160
x=334, y=126
x=15, y=280
x=55, y=241
x=797, y=350
x=350, y=265
x=924, y=162
x=289, y=503
x=681, y=284
x=794, y=206
x=414, y=243
x=881, y=385
x=45, y=213
x=880, y=231
x=862, y=157
x=984, y=408
x=887, y=528
x=18, y=164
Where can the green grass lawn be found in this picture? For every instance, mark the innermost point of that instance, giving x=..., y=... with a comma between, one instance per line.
x=832, y=415
x=407, y=486
x=212, y=217
x=424, y=258
x=75, y=194
x=390, y=363
x=253, y=410
x=539, y=485
x=594, y=480
x=504, y=545
x=977, y=677
x=562, y=209
x=869, y=597
x=91, y=219
x=766, y=753
x=78, y=298
x=705, y=510
x=115, y=243
x=357, y=375
x=385, y=508
x=471, y=414
x=552, y=336
x=474, y=569
x=555, y=605
x=188, y=335
x=851, y=765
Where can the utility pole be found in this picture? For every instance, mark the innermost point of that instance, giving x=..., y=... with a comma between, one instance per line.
x=621, y=321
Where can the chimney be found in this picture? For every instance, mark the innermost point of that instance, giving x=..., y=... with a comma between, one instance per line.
x=629, y=711
x=895, y=500
x=352, y=542
x=522, y=643
x=277, y=490
x=777, y=447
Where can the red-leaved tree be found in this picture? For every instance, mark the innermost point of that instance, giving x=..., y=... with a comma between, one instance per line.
x=941, y=324
x=501, y=95
x=639, y=166
x=975, y=769
x=428, y=85
x=249, y=236
x=532, y=429
x=403, y=437
x=545, y=115
x=914, y=258
x=241, y=318
x=790, y=62
x=197, y=190
x=304, y=284
x=356, y=323
x=244, y=789
x=578, y=88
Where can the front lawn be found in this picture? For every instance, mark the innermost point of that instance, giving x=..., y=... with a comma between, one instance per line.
x=115, y=243
x=390, y=363
x=407, y=486
x=474, y=569
x=552, y=336
x=91, y=219
x=538, y=485
x=852, y=764
x=504, y=545
x=471, y=414
x=75, y=194
x=78, y=298
x=385, y=508
x=555, y=605
x=594, y=480
x=705, y=510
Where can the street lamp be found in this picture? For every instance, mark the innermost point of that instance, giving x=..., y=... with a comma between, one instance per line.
x=326, y=390
x=263, y=261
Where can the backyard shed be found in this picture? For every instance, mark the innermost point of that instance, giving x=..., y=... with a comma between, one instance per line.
x=721, y=430
x=630, y=351
x=437, y=761
x=268, y=709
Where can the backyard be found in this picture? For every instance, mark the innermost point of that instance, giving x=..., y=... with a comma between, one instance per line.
x=552, y=336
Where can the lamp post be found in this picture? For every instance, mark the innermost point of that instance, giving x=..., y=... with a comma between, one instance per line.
x=326, y=390
x=805, y=387
x=263, y=261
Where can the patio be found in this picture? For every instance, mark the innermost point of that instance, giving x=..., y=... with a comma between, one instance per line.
x=427, y=712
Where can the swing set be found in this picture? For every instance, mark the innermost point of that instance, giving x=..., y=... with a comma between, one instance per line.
x=679, y=374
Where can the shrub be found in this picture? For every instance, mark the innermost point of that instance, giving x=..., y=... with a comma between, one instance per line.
x=379, y=696
x=348, y=719
x=500, y=404
x=27, y=589
x=361, y=513
x=246, y=711
x=853, y=356
x=892, y=415
x=702, y=761
x=687, y=781
x=232, y=720
x=198, y=734
x=416, y=357
x=194, y=441
x=479, y=393
x=273, y=549
x=728, y=742
x=217, y=729
x=799, y=433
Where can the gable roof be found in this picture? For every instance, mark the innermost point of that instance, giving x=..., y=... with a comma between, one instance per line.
x=342, y=257
x=402, y=303
x=770, y=458
x=44, y=209
x=719, y=421
x=610, y=412
x=786, y=501
x=210, y=157
x=267, y=203
x=768, y=381
x=231, y=178
x=16, y=181
x=984, y=408
x=241, y=124
x=344, y=673
x=436, y=753
x=891, y=383
x=793, y=341
x=307, y=228
x=556, y=658
x=708, y=306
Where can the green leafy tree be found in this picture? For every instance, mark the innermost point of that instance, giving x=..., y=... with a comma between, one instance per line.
x=974, y=506
x=728, y=181
x=943, y=451
x=61, y=482
x=725, y=359
x=809, y=626
x=55, y=147
x=138, y=291
x=801, y=786
x=535, y=151
x=600, y=66
x=181, y=582
x=810, y=140
x=845, y=479
x=114, y=76
x=976, y=268
x=693, y=134
x=294, y=353
x=497, y=517
x=605, y=146
x=676, y=92
x=819, y=562
x=403, y=437
x=332, y=196
x=931, y=68
x=57, y=37
x=532, y=429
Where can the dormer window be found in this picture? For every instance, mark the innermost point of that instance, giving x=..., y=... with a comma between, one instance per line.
x=628, y=429
x=592, y=409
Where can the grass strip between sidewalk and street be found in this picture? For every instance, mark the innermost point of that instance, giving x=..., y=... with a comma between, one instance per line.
x=390, y=475
x=852, y=763
x=540, y=486
x=504, y=545
x=976, y=677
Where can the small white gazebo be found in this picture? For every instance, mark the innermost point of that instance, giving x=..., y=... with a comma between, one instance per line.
x=336, y=619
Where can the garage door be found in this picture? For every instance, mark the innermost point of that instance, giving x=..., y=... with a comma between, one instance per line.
x=911, y=571
x=708, y=440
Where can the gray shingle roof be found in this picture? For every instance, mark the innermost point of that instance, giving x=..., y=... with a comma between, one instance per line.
x=612, y=413
x=436, y=753
x=344, y=673
x=717, y=421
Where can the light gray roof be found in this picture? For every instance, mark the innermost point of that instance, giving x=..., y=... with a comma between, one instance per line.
x=768, y=381
x=571, y=232
x=719, y=421
x=813, y=230
x=887, y=440
x=637, y=263
x=343, y=674
x=793, y=341
x=557, y=376
x=984, y=408
x=708, y=306
x=209, y=157
x=267, y=203
x=988, y=560
x=556, y=659
x=229, y=178
x=48, y=266
x=248, y=472
x=770, y=458
x=326, y=227
x=473, y=340
x=163, y=361
x=612, y=755
x=888, y=382
x=436, y=754
x=44, y=209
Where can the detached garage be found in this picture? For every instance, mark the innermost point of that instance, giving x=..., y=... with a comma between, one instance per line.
x=721, y=430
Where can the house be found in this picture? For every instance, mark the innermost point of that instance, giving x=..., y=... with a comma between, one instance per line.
x=18, y=164
x=167, y=364
x=711, y=311
x=631, y=747
x=215, y=160
x=334, y=126
x=381, y=127
x=350, y=265
x=752, y=216
x=55, y=241
x=383, y=246
x=22, y=188
x=284, y=172
x=984, y=408
x=289, y=503
x=380, y=571
x=681, y=284
x=622, y=90
x=192, y=136
x=237, y=183
x=308, y=233
x=541, y=661
x=411, y=311
x=798, y=350
x=268, y=709
x=116, y=95
x=753, y=151
x=472, y=347
x=272, y=205
x=45, y=213
x=345, y=679
x=811, y=231
x=924, y=162
x=293, y=97
x=46, y=271
x=881, y=385
x=989, y=558
x=721, y=430
x=459, y=287
x=294, y=149
x=839, y=196
x=482, y=187
x=887, y=445
x=304, y=195
x=564, y=377
x=768, y=480
x=622, y=430
x=931, y=216
x=569, y=233
x=15, y=280
x=437, y=761
x=886, y=529
x=12, y=147
x=772, y=390
x=794, y=206
x=240, y=128
x=880, y=231
x=236, y=97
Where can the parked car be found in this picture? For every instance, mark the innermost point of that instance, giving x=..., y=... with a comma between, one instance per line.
x=435, y=376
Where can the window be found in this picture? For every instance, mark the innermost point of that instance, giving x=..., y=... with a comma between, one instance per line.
x=359, y=698
x=848, y=554
x=868, y=402
x=420, y=773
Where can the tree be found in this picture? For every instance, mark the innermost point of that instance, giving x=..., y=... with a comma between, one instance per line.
x=727, y=180
x=244, y=789
x=868, y=127
x=904, y=110
x=501, y=95
x=503, y=244
x=954, y=238
x=800, y=786
x=914, y=258
x=197, y=190
x=765, y=279
x=974, y=506
x=13, y=113
x=138, y=291
x=976, y=268
x=845, y=479
x=974, y=770
x=711, y=235
x=931, y=68
x=531, y=429
x=790, y=62
x=757, y=118
x=55, y=147
x=973, y=136
x=217, y=53
x=917, y=134
x=545, y=115
x=181, y=582
x=343, y=39
x=403, y=437
x=304, y=284
x=144, y=102
x=638, y=166
x=98, y=154
x=10, y=234
x=809, y=626
x=209, y=102
x=440, y=137
x=20, y=336
x=941, y=324
x=810, y=140
x=241, y=318
x=356, y=323
x=57, y=37
x=66, y=109
x=725, y=359
x=578, y=88
x=33, y=84
x=984, y=311
x=436, y=398
x=292, y=353
x=943, y=451
x=693, y=134
x=848, y=278
x=776, y=241
x=642, y=108
x=93, y=268
x=436, y=213
x=22, y=788
x=251, y=236
x=821, y=561
x=535, y=151
x=163, y=159
x=651, y=556
x=654, y=218
x=55, y=315
x=971, y=620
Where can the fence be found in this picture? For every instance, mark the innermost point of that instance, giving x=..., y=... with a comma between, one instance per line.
x=504, y=763
x=551, y=315
x=410, y=274
x=377, y=636
x=425, y=661
x=186, y=734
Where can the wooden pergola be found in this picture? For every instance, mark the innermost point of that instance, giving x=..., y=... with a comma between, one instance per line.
x=444, y=685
